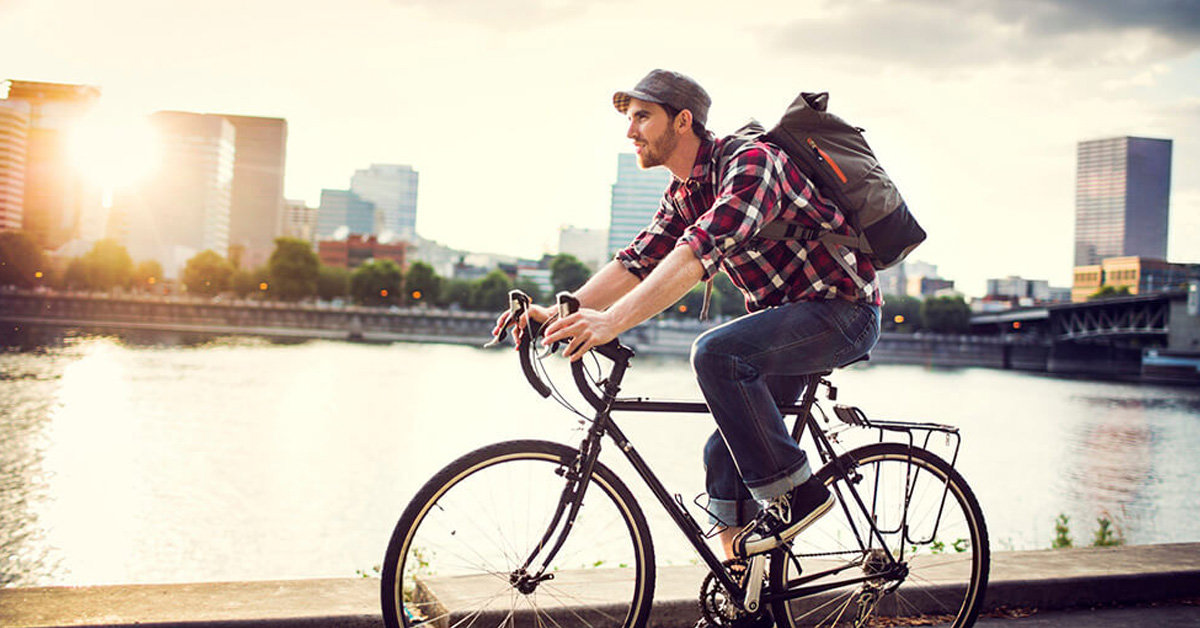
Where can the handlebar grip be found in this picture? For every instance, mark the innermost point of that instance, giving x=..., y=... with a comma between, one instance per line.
x=525, y=350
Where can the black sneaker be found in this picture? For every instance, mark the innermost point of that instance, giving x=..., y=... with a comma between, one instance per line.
x=783, y=518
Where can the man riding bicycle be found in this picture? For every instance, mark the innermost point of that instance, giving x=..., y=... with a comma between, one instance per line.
x=812, y=306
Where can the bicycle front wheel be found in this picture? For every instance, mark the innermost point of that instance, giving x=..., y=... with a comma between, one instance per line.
x=459, y=555
x=907, y=527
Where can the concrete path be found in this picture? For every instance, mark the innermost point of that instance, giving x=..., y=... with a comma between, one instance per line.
x=1042, y=580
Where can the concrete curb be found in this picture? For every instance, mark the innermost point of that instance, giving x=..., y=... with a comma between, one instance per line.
x=1049, y=579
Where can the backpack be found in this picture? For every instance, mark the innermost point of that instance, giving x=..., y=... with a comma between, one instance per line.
x=834, y=155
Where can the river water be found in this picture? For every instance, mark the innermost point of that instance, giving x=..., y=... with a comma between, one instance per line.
x=147, y=459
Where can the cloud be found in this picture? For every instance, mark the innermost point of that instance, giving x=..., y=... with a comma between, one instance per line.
x=964, y=33
x=508, y=15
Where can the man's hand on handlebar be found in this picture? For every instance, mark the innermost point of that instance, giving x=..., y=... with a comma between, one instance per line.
x=585, y=329
x=538, y=313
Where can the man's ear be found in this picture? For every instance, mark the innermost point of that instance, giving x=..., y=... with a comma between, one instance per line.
x=683, y=121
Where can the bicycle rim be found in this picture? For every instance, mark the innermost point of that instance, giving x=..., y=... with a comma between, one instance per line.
x=941, y=541
x=469, y=529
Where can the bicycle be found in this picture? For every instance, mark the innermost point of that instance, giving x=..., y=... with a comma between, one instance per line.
x=537, y=533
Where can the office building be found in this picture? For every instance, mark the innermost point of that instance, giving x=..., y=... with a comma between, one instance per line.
x=343, y=212
x=299, y=220
x=589, y=246
x=393, y=190
x=185, y=207
x=1122, y=191
x=14, y=139
x=256, y=202
x=635, y=199
x=1132, y=274
x=56, y=194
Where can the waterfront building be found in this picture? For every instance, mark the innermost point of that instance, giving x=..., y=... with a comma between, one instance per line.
x=184, y=208
x=1122, y=199
x=1137, y=275
x=343, y=212
x=355, y=249
x=1018, y=291
x=56, y=195
x=587, y=245
x=299, y=220
x=14, y=139
x=635, y=198
x=392, y=188
x=256, y=204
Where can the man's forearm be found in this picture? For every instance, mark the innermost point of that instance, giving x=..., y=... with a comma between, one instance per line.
x=610, y=283
x=668, y=283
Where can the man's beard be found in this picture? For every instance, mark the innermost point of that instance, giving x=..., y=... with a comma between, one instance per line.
x=655, y=153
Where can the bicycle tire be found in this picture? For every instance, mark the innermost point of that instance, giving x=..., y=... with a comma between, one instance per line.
x=946, y=551
x=473, y=523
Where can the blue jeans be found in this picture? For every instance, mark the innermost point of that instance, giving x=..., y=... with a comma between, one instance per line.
x=747, y=367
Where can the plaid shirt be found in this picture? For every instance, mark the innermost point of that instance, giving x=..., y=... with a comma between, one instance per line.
x=720, y=223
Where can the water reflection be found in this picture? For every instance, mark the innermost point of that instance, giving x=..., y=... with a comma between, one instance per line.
x=168, y=457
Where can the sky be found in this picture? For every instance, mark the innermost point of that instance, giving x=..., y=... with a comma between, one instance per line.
x=974, y=107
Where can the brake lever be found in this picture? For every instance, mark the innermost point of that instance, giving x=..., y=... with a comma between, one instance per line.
x=518, y=302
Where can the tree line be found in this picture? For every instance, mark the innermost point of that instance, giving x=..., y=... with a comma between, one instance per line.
x=294, y=273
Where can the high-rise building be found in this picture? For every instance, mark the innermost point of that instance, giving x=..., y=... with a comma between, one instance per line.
x=256, y=206
x=56, y=194
x=299, y=220
x=587, y=245
x=14, y=138
x=392, y=189
x=343, y=208
x=1122, y=199
x=635, y=199
x=184, y=208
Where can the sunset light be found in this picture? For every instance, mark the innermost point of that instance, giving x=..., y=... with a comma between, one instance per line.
x=114, y=150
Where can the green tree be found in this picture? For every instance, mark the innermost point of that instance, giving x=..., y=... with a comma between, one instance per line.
x=377, y=282
x=292, y=270
x=946, y=315
x=75, y=277
x=567, y=273
x=456, y=292
x=732, y=301
x=207, y=273
x=529, y=287
x=107, y=265
x=22, y=262
x=250, y=282
x=1108, y=292
x=147, y=274
x=332, y=282
x=422, y=283
x=491, y=293
x=901, y=313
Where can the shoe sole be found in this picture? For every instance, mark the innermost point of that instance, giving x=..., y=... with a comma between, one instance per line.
x=745, y=549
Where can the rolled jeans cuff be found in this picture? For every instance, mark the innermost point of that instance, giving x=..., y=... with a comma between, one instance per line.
x=775, y=487
x=733, y=513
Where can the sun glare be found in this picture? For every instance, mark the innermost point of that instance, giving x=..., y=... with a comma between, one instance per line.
x=113, y=150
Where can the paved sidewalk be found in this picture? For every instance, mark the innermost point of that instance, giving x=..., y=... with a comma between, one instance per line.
x=1043, y=580
x=1171, y=614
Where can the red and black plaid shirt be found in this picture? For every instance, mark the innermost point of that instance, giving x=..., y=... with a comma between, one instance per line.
x=720, y=222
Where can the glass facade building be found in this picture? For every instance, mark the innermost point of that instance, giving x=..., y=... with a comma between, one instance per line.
x=343, y=208
x=1122, y=190
x=393, y=190
x=635, y=198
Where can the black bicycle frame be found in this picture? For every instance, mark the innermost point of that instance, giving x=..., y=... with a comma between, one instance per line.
x=603, y=424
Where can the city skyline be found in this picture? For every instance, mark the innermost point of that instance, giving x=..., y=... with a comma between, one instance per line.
x=974, y=109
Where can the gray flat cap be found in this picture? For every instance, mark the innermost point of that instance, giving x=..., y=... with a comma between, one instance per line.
x=664, y=87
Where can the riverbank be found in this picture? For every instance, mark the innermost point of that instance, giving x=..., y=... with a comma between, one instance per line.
x=1043, y=580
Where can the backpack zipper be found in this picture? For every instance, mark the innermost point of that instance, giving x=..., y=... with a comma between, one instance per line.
x=823, y=156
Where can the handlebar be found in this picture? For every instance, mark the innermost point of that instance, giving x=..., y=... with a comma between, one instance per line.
x=567, y=304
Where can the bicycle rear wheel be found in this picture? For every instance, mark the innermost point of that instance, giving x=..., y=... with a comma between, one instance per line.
x=456, y=554
x=927, y=518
